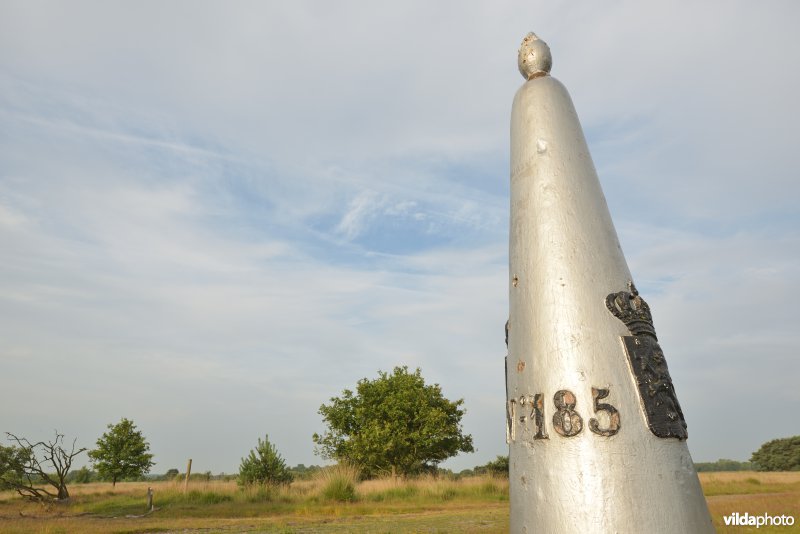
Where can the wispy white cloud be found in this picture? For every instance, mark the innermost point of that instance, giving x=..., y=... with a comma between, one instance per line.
x=362, y=209
x=223, y=232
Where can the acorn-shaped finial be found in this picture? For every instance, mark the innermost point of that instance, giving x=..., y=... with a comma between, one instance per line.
x=534, y=57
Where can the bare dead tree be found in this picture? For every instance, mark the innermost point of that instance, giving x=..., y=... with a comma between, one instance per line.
x=36, y=461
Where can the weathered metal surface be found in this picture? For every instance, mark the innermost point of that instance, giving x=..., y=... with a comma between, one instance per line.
x=534, y=57
x=567, y=368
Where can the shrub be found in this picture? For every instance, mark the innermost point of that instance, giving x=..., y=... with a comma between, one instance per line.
x=83, y=475
x=339, y=483
x=264, y=466
x=497, y=467
x=171, y=474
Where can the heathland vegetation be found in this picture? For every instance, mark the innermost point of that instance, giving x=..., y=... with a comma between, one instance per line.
x=318, y=504
x=387, y=437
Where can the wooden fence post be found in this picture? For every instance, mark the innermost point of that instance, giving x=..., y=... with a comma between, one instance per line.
x=188, y=472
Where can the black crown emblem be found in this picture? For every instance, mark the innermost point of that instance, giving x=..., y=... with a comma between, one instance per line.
x=632, y=310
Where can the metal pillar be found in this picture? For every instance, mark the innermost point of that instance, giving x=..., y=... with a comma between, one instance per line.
x=596, y=435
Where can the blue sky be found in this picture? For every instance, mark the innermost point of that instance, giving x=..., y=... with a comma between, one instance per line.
x=216, y=216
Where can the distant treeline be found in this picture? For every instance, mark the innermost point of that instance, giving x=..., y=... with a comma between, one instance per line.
x=724, y=464
x=497, y=467
x=85, y=475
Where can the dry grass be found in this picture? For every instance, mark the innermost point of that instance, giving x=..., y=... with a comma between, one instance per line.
x=781, y=477
x=338, y=482
x=126, y=488
x=755, y=493
x=417, y=504
x=746, y=482
x=436, y=488
x=477, y=504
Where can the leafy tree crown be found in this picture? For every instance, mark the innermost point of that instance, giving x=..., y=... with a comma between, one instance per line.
x=778, y=455
x=122, y=453
x=395, y=423
x=12, y=465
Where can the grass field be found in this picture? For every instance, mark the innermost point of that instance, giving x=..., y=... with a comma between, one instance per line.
x=755, y=493
x=478, y=504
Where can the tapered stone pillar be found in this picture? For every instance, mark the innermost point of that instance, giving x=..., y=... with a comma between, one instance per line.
x=597, y=438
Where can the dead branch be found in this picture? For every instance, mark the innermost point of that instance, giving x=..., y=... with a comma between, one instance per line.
x=33, y=469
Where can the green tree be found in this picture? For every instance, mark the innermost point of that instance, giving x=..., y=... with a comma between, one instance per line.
x=778, y=455
x=264, y=465
x=723, y=464
x=497, y=467
x=121, y=453
x=83, y=475
x=304, y=472
x=12, y=462
x=394, y=424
